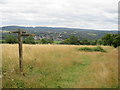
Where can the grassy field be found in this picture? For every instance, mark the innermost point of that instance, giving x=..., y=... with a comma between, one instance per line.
x=60, y=66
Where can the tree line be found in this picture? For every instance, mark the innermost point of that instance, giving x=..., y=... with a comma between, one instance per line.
x=29, y=40
x=108, y=39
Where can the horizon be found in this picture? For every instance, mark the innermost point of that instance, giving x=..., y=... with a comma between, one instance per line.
x=56, y=27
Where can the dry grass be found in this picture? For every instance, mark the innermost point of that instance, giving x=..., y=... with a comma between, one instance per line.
x=103, y=71
x=59, y=66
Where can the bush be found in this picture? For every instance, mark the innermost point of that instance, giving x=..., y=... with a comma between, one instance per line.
x=85, y=49
x=97, y=49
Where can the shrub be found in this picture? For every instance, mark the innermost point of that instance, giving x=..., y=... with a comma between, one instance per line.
x=85, y=49
x=97, y=49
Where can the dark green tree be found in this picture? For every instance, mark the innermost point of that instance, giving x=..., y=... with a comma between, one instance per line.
x=11, y=39
x=66, y=41
x=85, y=42
x=99, y=42
x=46, y=41
x=43, y=41
x=116, y=41
x=49, y=41
x=72, y=40
x=29, y=40
x=108, y=39
x=111, y=39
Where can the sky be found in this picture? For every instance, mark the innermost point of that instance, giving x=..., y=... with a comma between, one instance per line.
x=84, y=14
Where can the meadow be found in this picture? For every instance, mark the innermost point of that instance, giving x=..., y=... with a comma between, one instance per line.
x=59, y=66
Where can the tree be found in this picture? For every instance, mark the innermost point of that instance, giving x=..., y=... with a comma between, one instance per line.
x=66, y=41
x=11, y=39
x=107, y=39
x=49, y=41
x=43, y=41
x=85, y=42
x=46, y=41
x=116, y=41
x=29, y=40
x=99, y=41
x=111, y=39
x=72, y=40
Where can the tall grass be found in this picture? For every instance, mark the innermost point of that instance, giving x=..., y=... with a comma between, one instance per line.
x=59, y=66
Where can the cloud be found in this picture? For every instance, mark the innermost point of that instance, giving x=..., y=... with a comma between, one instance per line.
x=95, y=14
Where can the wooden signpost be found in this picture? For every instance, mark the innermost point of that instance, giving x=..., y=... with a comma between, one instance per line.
x=20, y=34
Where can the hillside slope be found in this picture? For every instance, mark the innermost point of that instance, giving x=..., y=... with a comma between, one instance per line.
x=62, y=33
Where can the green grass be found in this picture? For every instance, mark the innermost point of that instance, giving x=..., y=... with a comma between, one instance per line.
x=92, y=49
x=52, y=74
x=57, y=42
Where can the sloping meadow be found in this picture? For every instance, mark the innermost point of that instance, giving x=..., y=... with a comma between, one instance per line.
x=60, y=66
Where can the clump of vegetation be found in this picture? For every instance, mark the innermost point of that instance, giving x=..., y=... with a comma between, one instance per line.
x=111, y=40
x=46, y=41
x=29, y=40
x=11, y=39
x=99, y=49
x=72, y=40
x=96, y=49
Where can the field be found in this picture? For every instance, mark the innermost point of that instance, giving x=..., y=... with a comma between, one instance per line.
x=59, y=66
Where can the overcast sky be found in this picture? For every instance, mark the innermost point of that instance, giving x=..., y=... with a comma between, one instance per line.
x=86, y=14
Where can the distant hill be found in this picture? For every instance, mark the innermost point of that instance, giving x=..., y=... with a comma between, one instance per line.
x=58, y=33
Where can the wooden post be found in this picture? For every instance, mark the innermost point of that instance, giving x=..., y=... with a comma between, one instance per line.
x=20, y=50
x=20, y=34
